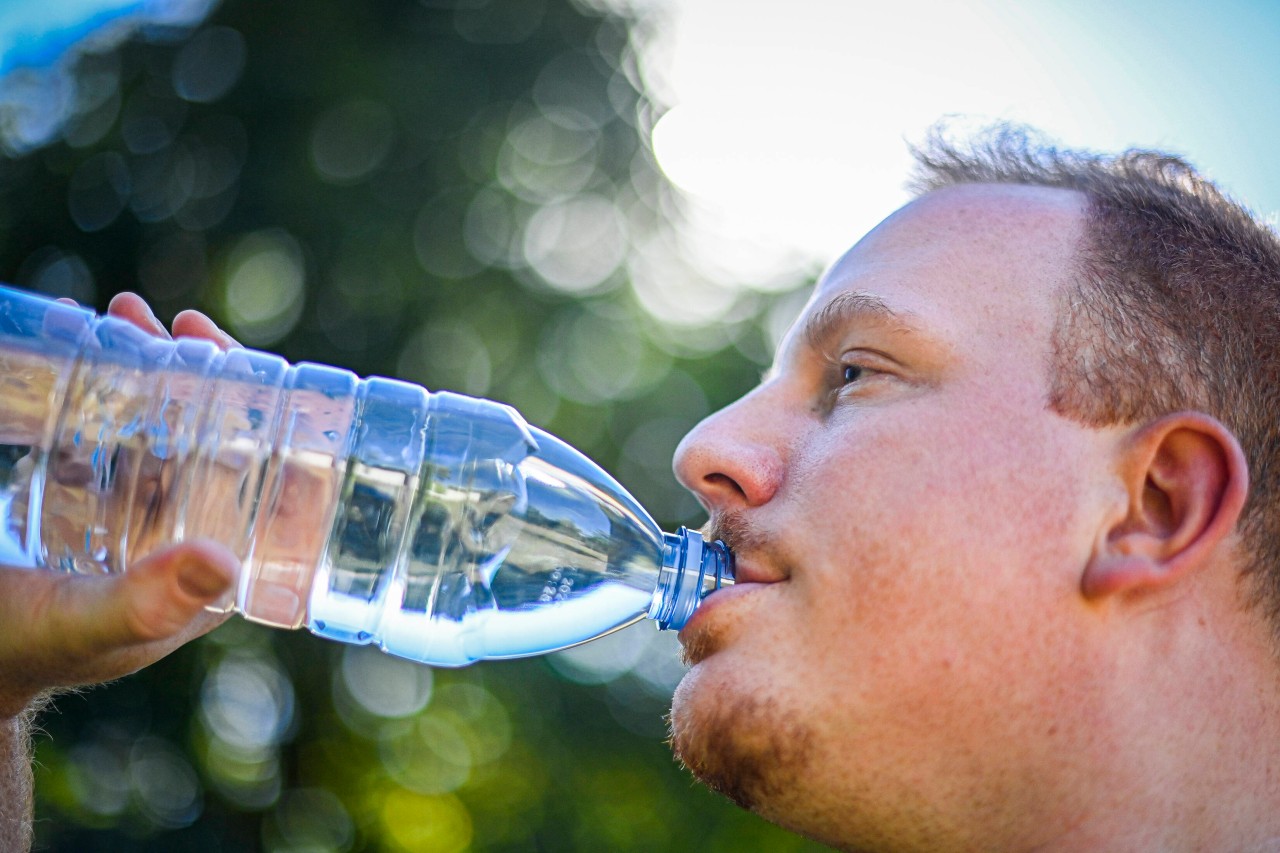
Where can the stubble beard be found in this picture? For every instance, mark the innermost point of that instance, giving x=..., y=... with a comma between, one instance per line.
x=734, y=736
x=743, y=746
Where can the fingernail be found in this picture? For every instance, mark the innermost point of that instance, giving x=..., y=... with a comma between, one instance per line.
x=200, y=579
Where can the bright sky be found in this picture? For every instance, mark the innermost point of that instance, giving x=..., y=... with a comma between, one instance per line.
x=39, y=40
x=37, y=32
x=790, y=120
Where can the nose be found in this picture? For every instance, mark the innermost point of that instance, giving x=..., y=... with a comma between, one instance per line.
x=732, y=459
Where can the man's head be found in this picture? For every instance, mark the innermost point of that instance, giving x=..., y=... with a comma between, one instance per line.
x=1175, y=305
x=976, y=546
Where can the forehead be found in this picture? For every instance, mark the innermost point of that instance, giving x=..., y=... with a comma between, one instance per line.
x=975, y=264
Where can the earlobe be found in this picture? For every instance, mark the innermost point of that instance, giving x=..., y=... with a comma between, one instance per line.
x=1185, y=479
x=1109, y=574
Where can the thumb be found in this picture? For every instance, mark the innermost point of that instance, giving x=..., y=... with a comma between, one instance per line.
x=63, y=630
x=96, y=629
x=160, y=596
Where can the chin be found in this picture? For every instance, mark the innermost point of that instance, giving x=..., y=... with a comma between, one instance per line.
x=740, y=741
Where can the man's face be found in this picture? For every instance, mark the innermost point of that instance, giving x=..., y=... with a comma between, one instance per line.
x=910, y=520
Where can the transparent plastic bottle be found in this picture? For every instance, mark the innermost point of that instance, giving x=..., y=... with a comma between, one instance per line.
x=441, y=527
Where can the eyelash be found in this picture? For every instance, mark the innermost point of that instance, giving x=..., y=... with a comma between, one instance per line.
x=847, y=377
x=853, y=371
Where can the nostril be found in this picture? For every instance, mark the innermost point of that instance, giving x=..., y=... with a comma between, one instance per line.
x=735, y=457
x=727, y=473
x=723, y=482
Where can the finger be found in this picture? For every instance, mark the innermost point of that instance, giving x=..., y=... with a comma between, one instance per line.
x=193, y=324
x=133, y=308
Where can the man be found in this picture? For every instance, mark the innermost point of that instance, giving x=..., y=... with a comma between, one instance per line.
x=1003, y=580
x=1005, y=517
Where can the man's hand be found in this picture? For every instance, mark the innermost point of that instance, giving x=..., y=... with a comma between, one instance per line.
x=60, y=630
x=63, y=630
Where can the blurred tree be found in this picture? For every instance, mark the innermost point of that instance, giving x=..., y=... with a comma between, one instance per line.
x=457, y=193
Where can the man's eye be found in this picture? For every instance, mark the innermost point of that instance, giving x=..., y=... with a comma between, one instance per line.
x=852, y=373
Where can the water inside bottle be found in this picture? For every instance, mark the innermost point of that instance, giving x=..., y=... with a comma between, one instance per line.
x=116, y=482
x=25, y=380
x=514, y=545
x=484, y=539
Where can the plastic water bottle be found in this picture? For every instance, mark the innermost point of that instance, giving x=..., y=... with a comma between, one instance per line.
x=441, y=527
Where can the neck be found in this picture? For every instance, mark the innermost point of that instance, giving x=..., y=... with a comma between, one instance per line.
x=1190, y=741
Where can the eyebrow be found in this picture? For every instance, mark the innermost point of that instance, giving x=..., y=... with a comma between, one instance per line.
x=852, y=307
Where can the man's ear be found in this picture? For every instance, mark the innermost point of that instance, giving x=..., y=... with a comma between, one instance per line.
x=1186, y=480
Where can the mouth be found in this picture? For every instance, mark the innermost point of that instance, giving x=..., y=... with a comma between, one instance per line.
x=701, y=636
x=749, y=578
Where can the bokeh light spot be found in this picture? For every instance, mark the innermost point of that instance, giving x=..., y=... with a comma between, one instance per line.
x=57, y=273
x=151, y=122
x=491, y=231
x=247, y=703
x=572, y=81
x=208, y=66
x=483, y=720
x=251, y=780
x=672, y=289
x=426, y=824
x=383, y=685
x=98, y=101
x=549, y=156
x=309, y=819
x=605, y=659
x=263, y=292
x=430, y=757
x=98, y=778
x=447, y=355
x=576, y=244
x=498, y=21
x=351, y=140
x=165, y=785
x=592, y=359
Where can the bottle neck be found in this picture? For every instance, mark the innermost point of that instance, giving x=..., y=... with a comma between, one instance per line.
x=692, y=569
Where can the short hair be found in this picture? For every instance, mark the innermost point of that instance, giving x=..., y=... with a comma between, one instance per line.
x=1176, y=305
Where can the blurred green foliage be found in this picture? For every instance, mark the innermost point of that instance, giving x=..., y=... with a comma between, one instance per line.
x=456, y=193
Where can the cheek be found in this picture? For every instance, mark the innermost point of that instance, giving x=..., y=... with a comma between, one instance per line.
x=937, y=541
x=940, y=482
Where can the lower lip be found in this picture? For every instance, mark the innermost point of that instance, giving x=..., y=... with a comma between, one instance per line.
x=721, y=597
